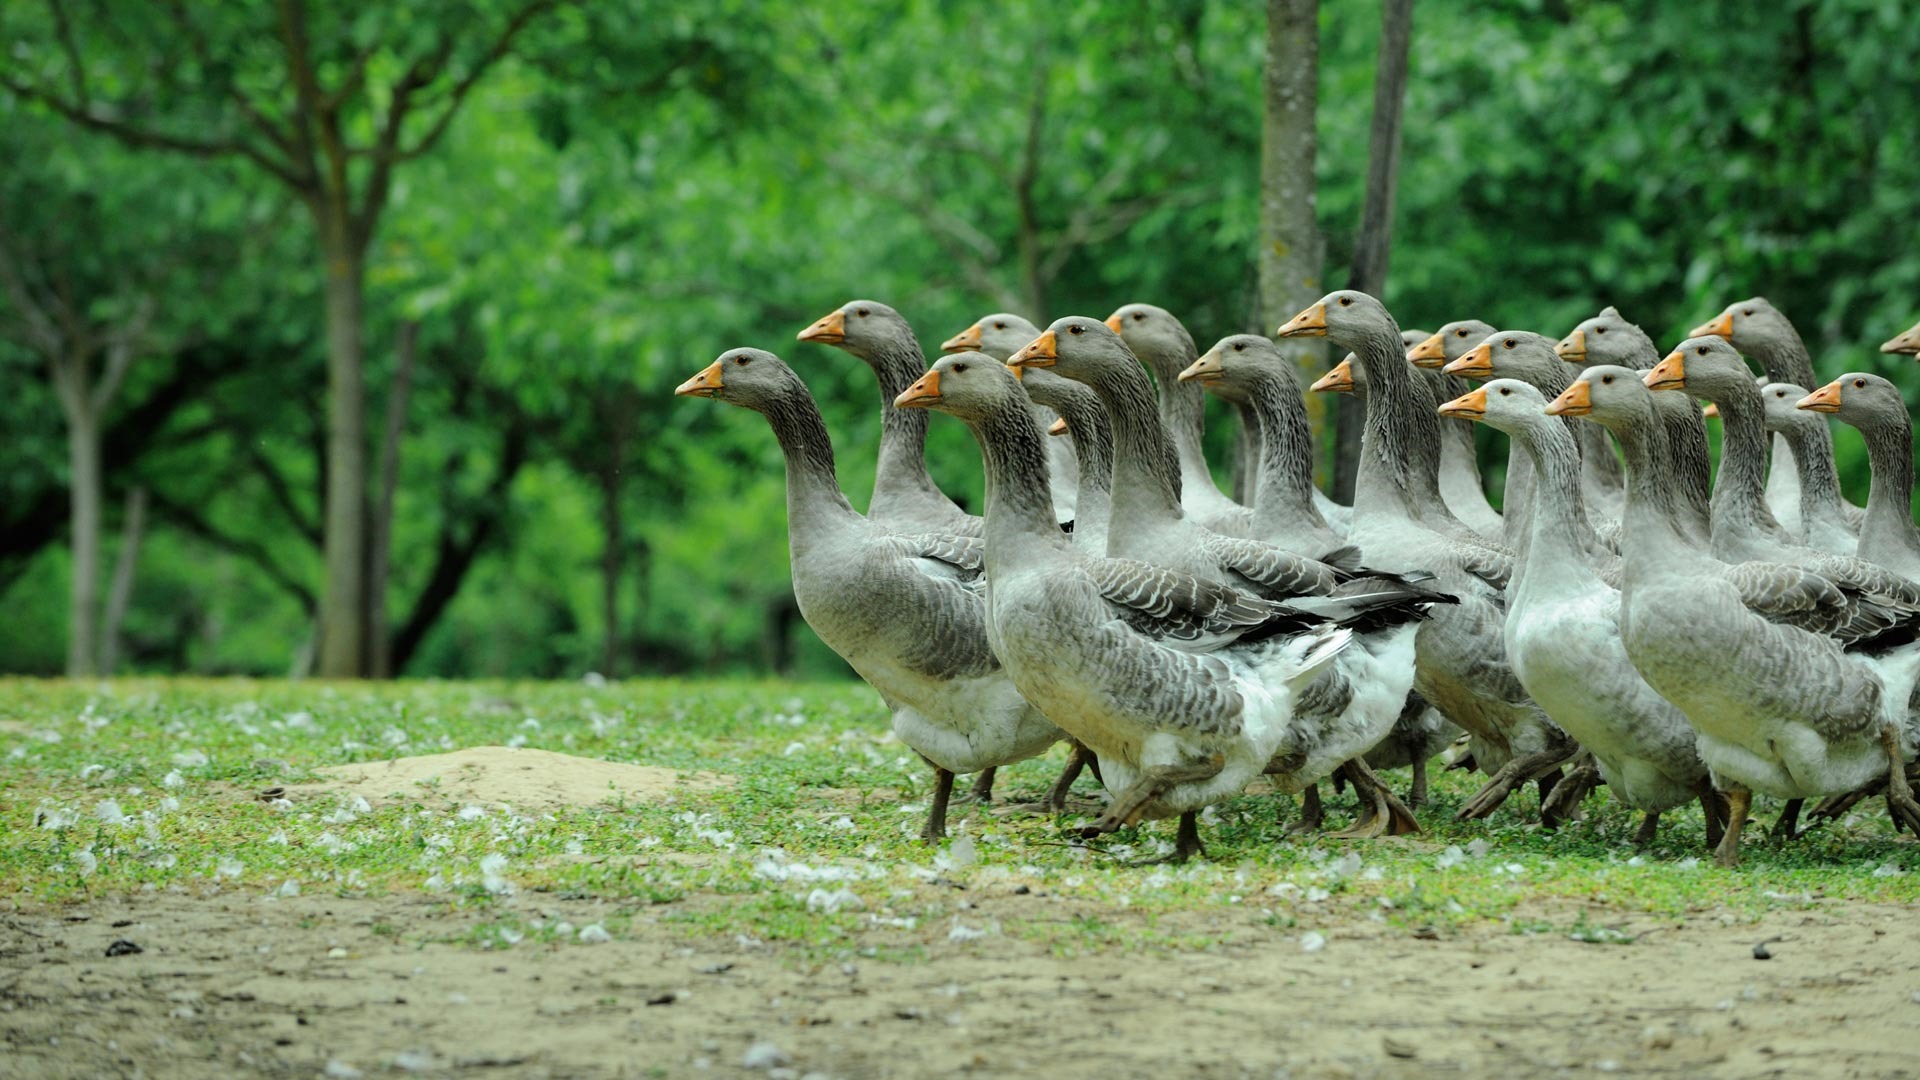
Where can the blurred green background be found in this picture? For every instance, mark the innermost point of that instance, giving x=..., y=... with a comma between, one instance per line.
x=584, y=203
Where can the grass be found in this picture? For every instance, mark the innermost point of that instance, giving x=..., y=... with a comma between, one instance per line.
x=131, y=786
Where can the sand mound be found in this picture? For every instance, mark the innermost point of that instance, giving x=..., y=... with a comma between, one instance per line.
x=527, y=780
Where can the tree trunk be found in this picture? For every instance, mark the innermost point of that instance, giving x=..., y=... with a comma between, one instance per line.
x=1291, y=247
x=120, y=593
x=1372, y=246
x=380, y=558
x=343, y=601
x=83, y=457
x=611, y=558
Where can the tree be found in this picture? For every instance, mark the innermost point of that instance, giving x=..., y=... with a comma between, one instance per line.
x=1291, y=247
x=331, y=110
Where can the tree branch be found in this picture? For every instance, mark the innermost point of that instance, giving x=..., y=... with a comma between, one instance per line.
x=78, y=70
x=41, y=331
x=191, y=523
x=500, y=47
x=198, y=42
x=123, y=345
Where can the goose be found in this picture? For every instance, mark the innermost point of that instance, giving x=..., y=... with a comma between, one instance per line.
x=1563, y=624
x=1186, y=688
x=1251, y=372
x=1758, y=329
x=1163, y=344
x=1877, y=409
x=1795, y=683
x=904, y=610
x=1530, y=358
x=1461, y=666
x=1810, y=443
x=999, y=335
x=1082, y=419
x=1608, y=338
x=1460, y=485
x=904, y=494
x=1907, y=342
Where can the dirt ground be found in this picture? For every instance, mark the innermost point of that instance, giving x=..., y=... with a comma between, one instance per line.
x=241, y=985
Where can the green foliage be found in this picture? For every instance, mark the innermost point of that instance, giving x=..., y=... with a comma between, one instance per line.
x=635, y=190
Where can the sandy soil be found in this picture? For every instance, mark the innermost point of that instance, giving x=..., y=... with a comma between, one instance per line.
x=529, y=781
x=239, y=985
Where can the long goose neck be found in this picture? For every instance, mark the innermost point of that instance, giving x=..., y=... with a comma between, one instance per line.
x=903, y=432
x=1183, y=408
x=1784, y=357
x=1146, y=478
x=1285, y=490
x=1812, y=445
x=1400, y=443
x=1890, y=491
x=1652, y=538
x=1557, y=527
x=1020, y=519
x=1093, y=449
x=1741, y=488
x=814, y=497
x=1691, y=463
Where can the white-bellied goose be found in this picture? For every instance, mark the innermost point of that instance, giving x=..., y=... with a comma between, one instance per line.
x=904, y=494
x=1185, y=688
x=1563, y=623
x=999, y=335
x=1758, y=329
x=1461, y=487
x=1792, y=680
x=904, y=610
x=1361, y=693
x=1461, y=665
x=1823, y=521
x=1876, y=408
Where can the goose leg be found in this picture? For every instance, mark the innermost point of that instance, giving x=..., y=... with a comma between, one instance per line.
x=936, y=829
x=1417, y=794
x=1714, y=809
x=983, y=784
x=1130, y=805
x=1562, y=801
x=1739, y=802
x=1512, y=775
x=1076, y=761
x=1187, y=843
x=1788, y=826
x=1381, y=813
x=1649, y=827
x=1900, y=801
x=1833, y=807
x=1312, y=815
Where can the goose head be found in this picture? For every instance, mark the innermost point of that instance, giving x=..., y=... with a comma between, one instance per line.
x=1447, y=344
x=1607, y=338
x=1705, y=367
x=1860, y=399
x=1346, y=318
x=1907, y=342
x=972, y=388
x=865, y=328
x=1236, y=365
x=999, y=335
x=1057, y=393
x=1781, y=400
x=1748, y=323
x=1609, y=395
x=1508, y=405
x=1508, y=354
x=1077, y=347
x=1154, y=335
x=750, y=378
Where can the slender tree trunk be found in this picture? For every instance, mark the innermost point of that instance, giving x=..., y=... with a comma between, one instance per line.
x=83, y=459
x=380, y=558
x=612, y=556
x=1291, y=247
x=343, y=652
x=133, y=522
x=1371, y=248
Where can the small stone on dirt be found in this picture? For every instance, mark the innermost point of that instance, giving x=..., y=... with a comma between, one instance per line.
x=1395, y=1048
x=1761, y=952
x=123, y=947
x=764, y=1055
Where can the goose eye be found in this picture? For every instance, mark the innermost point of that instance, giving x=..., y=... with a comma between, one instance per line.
x=1346, y=301
x=1607, y=379
x=1507, y=344
x=1139, y=316
x=1504, y=391
x=1746, y=311
x=1599, y=329
x=1860, y=384
x=1076, y=328
x=999, y=326
x=740, y=360
x=958, y=368
x=1242, y=347
x=1459, y=333
x=1702, y=350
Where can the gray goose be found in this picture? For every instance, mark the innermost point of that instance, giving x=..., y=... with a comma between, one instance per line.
x=1876, y=408
x=1796, y=683
x=1361, y=695
x=1083, y=420
x=1164, y=345
x=1758, y=329
x=1461, y=666
x=904, y=494
x=1906, y=342
x=1185, y=688
x=904, y=610
x=1251, y=372
x=1000, y=335
x=1460, y=484
x=1563, y=624
x=1608, y=338
x=1823, y=519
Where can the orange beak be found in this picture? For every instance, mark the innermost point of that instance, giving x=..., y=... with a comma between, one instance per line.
x=1040, y=352
x=1720, y=327
x=1824, y=400
x=1431, y=353
x=1711, y=410
x=1668, y=374
x=1477, y=364
x=1908, y=342
x=1471, y=405
x=705, y=384
x=831, y=330
x=1309, y=323
x=924, y=392
x=1206, y=369
x=1576, y=401
x=1572, y=348
x=1337, y=381
x=1058, y=427
x=967, y=340
x=1113, y=322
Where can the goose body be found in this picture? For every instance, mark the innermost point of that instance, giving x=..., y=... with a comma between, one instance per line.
x=1878, y=410
x=1824, y=523
x=1460, y=484
x=999, y=336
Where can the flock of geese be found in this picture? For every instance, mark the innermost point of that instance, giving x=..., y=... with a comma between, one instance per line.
x=1680, y=637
